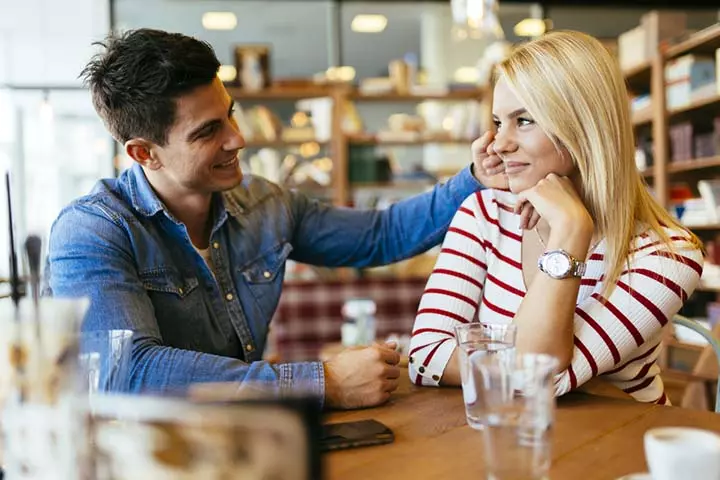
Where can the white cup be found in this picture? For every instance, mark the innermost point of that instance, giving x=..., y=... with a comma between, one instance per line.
x=678, y=453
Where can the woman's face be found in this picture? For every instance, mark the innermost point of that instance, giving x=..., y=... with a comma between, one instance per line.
x=528, y=153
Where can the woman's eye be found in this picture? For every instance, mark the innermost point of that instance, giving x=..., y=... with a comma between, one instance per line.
x=525, y=121
x=496, y=123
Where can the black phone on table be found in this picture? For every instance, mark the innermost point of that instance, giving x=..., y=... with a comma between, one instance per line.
x=338, y=436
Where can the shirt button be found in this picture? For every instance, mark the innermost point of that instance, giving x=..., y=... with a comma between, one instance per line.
x=267, y=274
x=229, y=297
x=180, y=291
x=421, y=369
x=435, y=377
x=411, y=360
x=249, y=348
x=216, y=245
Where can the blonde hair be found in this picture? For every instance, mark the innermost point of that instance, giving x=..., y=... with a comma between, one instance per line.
x=576, y=93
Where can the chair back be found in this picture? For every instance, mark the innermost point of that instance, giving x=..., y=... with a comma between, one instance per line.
x=712, y=341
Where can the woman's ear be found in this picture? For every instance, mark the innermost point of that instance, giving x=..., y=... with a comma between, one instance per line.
x=142, y=152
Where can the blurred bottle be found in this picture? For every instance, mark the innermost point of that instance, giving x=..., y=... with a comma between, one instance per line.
x=359, y=322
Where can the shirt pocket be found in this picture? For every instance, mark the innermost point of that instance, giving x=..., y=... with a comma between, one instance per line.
x=268, y=266
x=179, y=306
x=263, y=277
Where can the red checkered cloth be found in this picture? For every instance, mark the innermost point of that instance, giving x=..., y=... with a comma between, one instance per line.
x=309, y=314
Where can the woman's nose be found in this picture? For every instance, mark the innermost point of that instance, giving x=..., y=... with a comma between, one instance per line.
x=503, y=143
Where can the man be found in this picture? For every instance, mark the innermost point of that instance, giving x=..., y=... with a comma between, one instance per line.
x=190, y=256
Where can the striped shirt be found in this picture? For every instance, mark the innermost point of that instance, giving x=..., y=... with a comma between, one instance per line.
x=478, y=275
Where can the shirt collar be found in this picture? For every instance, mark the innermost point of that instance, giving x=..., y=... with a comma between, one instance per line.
x=144, y=199
x=146, y=202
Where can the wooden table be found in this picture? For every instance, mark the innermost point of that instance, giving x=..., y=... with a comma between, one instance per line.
x=595, y=437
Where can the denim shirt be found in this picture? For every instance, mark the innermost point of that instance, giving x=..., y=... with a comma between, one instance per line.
x=120, y=247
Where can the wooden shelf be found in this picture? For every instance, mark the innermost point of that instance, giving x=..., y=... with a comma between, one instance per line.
x=408, y=143
x=277, y=93
x=696, y=105
x=279, y=143
x=703, y=228
x=695, y=164
x=702, y=288
x=455, y=95
x=638, y=77
x=705, y=41
x=673, y=342
x=643, y=117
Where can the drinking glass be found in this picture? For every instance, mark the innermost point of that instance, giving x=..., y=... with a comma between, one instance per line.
x=105, y=361
x=476, y=340
x=517, y=394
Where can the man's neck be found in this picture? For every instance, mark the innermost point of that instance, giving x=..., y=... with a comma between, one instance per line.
x=192, y=209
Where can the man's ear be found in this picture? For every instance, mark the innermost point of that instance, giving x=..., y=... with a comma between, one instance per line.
x=141, y=151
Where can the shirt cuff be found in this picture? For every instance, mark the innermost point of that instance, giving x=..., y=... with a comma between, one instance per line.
x=305, y=379
x=464, y=184
x=433, y=371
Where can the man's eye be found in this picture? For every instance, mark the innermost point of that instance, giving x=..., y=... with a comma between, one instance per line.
x=208, y=132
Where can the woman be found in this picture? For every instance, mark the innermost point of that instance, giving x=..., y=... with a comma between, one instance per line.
x=605, y=268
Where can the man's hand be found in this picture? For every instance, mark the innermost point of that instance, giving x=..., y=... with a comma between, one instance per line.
x=361, y=377
x=490, y=171
x=487, y=165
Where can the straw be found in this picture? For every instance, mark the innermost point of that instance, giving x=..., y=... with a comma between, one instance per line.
x=17, y=355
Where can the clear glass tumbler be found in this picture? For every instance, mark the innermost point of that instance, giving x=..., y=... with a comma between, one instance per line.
x=517, y=394
x=480, y=339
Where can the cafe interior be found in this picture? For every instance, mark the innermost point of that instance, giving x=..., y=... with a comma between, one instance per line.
x=360, y=105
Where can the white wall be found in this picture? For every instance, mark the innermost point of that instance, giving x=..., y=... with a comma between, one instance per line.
x=47, y=42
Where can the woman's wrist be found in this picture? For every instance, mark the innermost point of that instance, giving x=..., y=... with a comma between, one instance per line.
x=574, y=237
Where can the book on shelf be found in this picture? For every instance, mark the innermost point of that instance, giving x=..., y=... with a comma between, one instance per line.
x=710, y=193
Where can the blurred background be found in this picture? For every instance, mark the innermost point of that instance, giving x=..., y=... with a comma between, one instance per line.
x=367, y=145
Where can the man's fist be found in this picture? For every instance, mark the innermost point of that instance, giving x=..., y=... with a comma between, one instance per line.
x=361, y=377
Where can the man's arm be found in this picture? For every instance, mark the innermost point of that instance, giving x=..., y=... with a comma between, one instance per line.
x=90, y=255
x=334, y=237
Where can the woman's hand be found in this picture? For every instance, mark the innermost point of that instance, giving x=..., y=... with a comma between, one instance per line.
x=557, y=201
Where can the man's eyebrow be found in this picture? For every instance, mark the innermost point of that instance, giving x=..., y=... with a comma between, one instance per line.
x=210, y=123
x=197, y=131
x=515, y=113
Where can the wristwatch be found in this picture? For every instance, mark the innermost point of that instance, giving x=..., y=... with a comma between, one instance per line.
x=560, y=264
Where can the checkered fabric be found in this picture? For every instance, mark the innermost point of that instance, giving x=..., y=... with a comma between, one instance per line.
x=309, y=313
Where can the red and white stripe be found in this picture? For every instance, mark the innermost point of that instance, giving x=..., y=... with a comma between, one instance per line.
x=479, y=275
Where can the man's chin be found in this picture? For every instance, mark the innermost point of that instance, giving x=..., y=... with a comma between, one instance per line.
x=229, y=184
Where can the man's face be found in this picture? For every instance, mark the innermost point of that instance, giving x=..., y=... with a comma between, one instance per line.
x=201, y=153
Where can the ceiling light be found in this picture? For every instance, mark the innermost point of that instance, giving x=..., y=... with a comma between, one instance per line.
x=530, y=27
x=219, y=20
x=227, y=73
x=369, y=23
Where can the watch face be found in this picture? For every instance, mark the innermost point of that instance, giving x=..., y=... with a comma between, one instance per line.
x=557, y=264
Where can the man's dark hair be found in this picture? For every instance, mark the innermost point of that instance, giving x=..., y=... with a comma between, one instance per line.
x=137, y=79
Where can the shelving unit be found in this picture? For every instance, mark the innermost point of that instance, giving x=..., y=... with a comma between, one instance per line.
x=340, y=142
x=652, y=74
